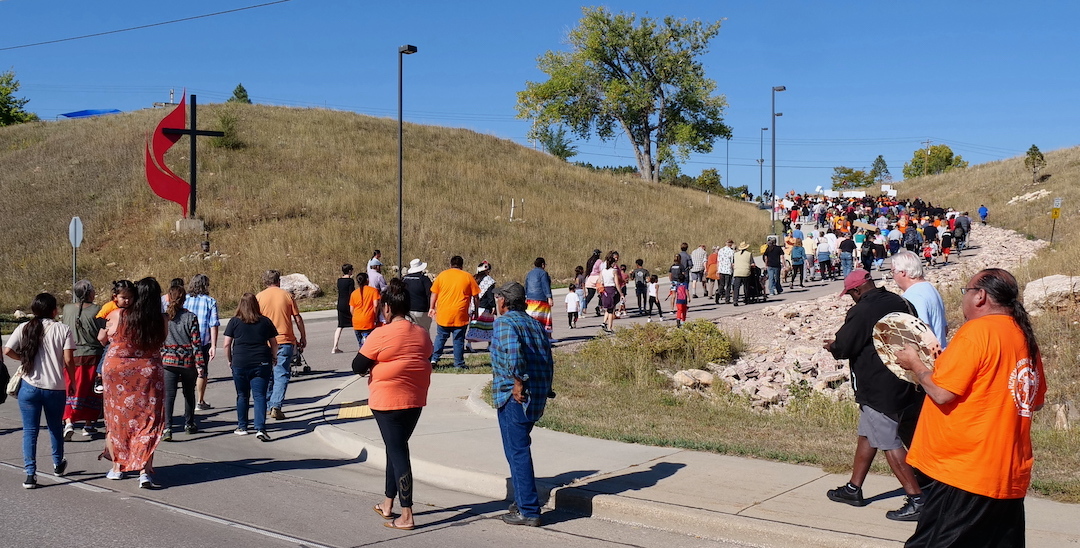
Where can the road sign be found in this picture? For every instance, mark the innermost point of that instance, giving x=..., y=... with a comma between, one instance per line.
x=75, y=232
x=1057, y=203
x=1055, y=213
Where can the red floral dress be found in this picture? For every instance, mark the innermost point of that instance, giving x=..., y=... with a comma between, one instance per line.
x=134, y=382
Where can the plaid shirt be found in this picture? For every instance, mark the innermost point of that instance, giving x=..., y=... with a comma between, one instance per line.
x=205, y=309
x=520, y=349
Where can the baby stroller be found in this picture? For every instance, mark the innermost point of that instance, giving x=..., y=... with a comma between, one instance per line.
x=755, y=286
x=299, y=365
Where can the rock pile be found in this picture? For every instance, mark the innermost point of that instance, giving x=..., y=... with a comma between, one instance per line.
x=786, y=339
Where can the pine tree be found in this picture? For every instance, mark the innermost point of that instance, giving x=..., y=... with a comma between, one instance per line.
x=239, y=95
x=1034, y=161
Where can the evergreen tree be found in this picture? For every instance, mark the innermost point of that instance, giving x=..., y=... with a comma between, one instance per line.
x=879, y=171
x=11, y=107
x=239, y=95
x=1034, y=161
x=556, y=143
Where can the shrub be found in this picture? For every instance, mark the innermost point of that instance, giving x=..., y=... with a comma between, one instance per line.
x=227, y=123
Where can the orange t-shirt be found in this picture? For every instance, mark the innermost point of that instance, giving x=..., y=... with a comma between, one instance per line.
x=106, y=308
x=402, y=374
x=363, y=303
x=981, y=441
x=453, y=289
x=278, y=305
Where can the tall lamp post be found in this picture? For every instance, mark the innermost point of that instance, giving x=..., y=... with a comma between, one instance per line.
x=772, y=213
x=402, y=52
x=761, y=163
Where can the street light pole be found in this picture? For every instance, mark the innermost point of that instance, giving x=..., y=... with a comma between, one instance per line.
x=772, y=213
x=761, y=163
x=402, y=52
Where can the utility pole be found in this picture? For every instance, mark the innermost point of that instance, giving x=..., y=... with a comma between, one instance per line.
x=926, y=164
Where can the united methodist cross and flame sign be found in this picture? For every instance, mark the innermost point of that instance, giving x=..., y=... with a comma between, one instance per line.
x=163, y=181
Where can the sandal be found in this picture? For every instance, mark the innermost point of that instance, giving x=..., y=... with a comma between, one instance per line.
x=392, y=524
x=378, y=510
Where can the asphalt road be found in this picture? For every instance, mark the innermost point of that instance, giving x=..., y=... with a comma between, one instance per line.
x=226, y=490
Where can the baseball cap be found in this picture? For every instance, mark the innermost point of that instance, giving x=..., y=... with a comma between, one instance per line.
x=855, y=279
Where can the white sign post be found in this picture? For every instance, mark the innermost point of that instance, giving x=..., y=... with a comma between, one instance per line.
x=75, y=236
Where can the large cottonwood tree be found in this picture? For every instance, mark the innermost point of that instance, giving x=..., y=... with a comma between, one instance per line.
x=640, y=77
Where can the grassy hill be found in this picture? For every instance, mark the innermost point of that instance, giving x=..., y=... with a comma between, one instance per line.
x=313, y=189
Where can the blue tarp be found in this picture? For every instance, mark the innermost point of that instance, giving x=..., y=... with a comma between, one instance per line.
x=89, y=113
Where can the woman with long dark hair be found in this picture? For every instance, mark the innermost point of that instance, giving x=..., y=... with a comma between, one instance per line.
x=250, y=347
x=364, y=303
x=480, y=328
x=612, y=280
x=345, y=287
x=43, y=347
x=134, y=381
x=181, y=357
x=396, y=355
x=83, y=404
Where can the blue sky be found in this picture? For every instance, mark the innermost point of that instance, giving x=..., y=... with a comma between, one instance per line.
x=863, y=78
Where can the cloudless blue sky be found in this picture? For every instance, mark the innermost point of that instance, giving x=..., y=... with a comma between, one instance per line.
x=863, y=78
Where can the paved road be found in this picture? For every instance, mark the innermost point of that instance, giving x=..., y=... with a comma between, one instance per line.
x=226, y=490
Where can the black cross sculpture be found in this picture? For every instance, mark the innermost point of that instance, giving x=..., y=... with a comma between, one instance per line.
x=192, y=134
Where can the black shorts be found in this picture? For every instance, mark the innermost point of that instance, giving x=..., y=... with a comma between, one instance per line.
x=954, y=517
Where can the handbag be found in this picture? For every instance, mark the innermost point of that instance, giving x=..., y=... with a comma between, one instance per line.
x=5, y=377
x=15, y=381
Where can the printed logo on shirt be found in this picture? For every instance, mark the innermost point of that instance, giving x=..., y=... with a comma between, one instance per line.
x=1024, y=385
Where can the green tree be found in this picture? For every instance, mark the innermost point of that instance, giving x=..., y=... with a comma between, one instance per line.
x=639, y=77
x=879, y=171
x=709, y=180
x=11, y=107
x=239, y=95
x=556, y=143
x=844, y=178
x=1034, y=161
x=941, y=159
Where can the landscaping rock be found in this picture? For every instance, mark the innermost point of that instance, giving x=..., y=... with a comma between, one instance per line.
x=1052, y=293
x=300, y=286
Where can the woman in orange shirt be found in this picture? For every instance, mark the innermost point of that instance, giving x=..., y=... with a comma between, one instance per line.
x=396, y=356
x=364, y=303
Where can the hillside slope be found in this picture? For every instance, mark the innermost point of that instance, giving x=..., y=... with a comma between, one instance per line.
x=316, y=188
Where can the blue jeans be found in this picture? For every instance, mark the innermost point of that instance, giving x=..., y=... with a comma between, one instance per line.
x=515, y=428
x=458, y=333
x=361, y=335
x=251, y=381
x=280, y=379
x=774, y=280
x=32, y=400
x=845, y=263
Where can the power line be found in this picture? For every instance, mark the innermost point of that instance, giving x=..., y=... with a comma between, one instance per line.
x=140, y=27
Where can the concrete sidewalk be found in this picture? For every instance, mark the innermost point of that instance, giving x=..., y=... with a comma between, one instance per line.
x=457, y=446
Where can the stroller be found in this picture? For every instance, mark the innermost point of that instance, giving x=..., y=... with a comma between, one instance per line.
x=755, y=286
x=299, y=365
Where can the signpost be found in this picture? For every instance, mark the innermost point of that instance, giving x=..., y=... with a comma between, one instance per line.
x=1054, y=214
x=75, y=236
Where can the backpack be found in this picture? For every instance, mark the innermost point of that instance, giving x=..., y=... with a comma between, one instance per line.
x=639, y=275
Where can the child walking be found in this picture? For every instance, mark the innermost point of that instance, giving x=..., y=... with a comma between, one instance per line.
x=573, y=306
x=681, y=296
x=654, y=282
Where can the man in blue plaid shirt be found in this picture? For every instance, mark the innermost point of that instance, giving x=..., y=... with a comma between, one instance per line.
x=523, y=368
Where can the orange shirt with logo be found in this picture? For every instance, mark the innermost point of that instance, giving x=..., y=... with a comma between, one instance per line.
x=278, y=305
x=364, y=303
x=453, y=289
x=981, y=441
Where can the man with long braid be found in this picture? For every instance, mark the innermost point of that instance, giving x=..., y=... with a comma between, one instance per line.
x=975, y=438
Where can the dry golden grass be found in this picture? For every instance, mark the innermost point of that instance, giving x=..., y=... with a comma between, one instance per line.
x=315, y=188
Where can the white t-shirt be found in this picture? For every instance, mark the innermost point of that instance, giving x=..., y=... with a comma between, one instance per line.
x=48, y=373
x=652, y=289
x=573, y=304
x=607, y=277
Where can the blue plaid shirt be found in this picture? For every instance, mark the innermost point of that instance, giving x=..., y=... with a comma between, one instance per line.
x=520, y=349
x=205, y=309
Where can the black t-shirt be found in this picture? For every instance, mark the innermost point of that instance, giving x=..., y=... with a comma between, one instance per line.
x=419, y=287
x=251, y=342
x=345, y=287
x=847, y=245
x=930, y=233
x=773, y=256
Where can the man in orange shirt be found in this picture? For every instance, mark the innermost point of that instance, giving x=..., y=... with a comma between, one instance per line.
x=278, y=305
x=451, y=294
x=975, y=440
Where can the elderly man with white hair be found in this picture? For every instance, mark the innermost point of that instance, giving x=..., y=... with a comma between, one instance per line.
x=907, y=270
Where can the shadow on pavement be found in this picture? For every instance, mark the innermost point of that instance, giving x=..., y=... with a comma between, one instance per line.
x=579, y=499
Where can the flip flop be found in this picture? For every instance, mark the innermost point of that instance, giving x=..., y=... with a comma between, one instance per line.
x=392, y=524
x=384, y=516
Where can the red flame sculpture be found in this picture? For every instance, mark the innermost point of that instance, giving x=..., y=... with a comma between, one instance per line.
x=163, y=181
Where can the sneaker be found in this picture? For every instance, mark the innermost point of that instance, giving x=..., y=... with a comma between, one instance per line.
x=191, y=429
x=146, y=483
x=89, y=431
x=30, y=482
x=69, y=430
x=59, y=470
x=262, y=435
x=98, y=387
x=113, y=475
x=240, y=432
x=846, y=495
x=166, y=435
x=908, y=512
x=276, y=414
x=203, y=406
x=515, y=518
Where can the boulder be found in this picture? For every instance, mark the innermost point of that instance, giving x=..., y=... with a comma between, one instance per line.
x=300, y=286
x=693, y=378
x=1051, y=293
